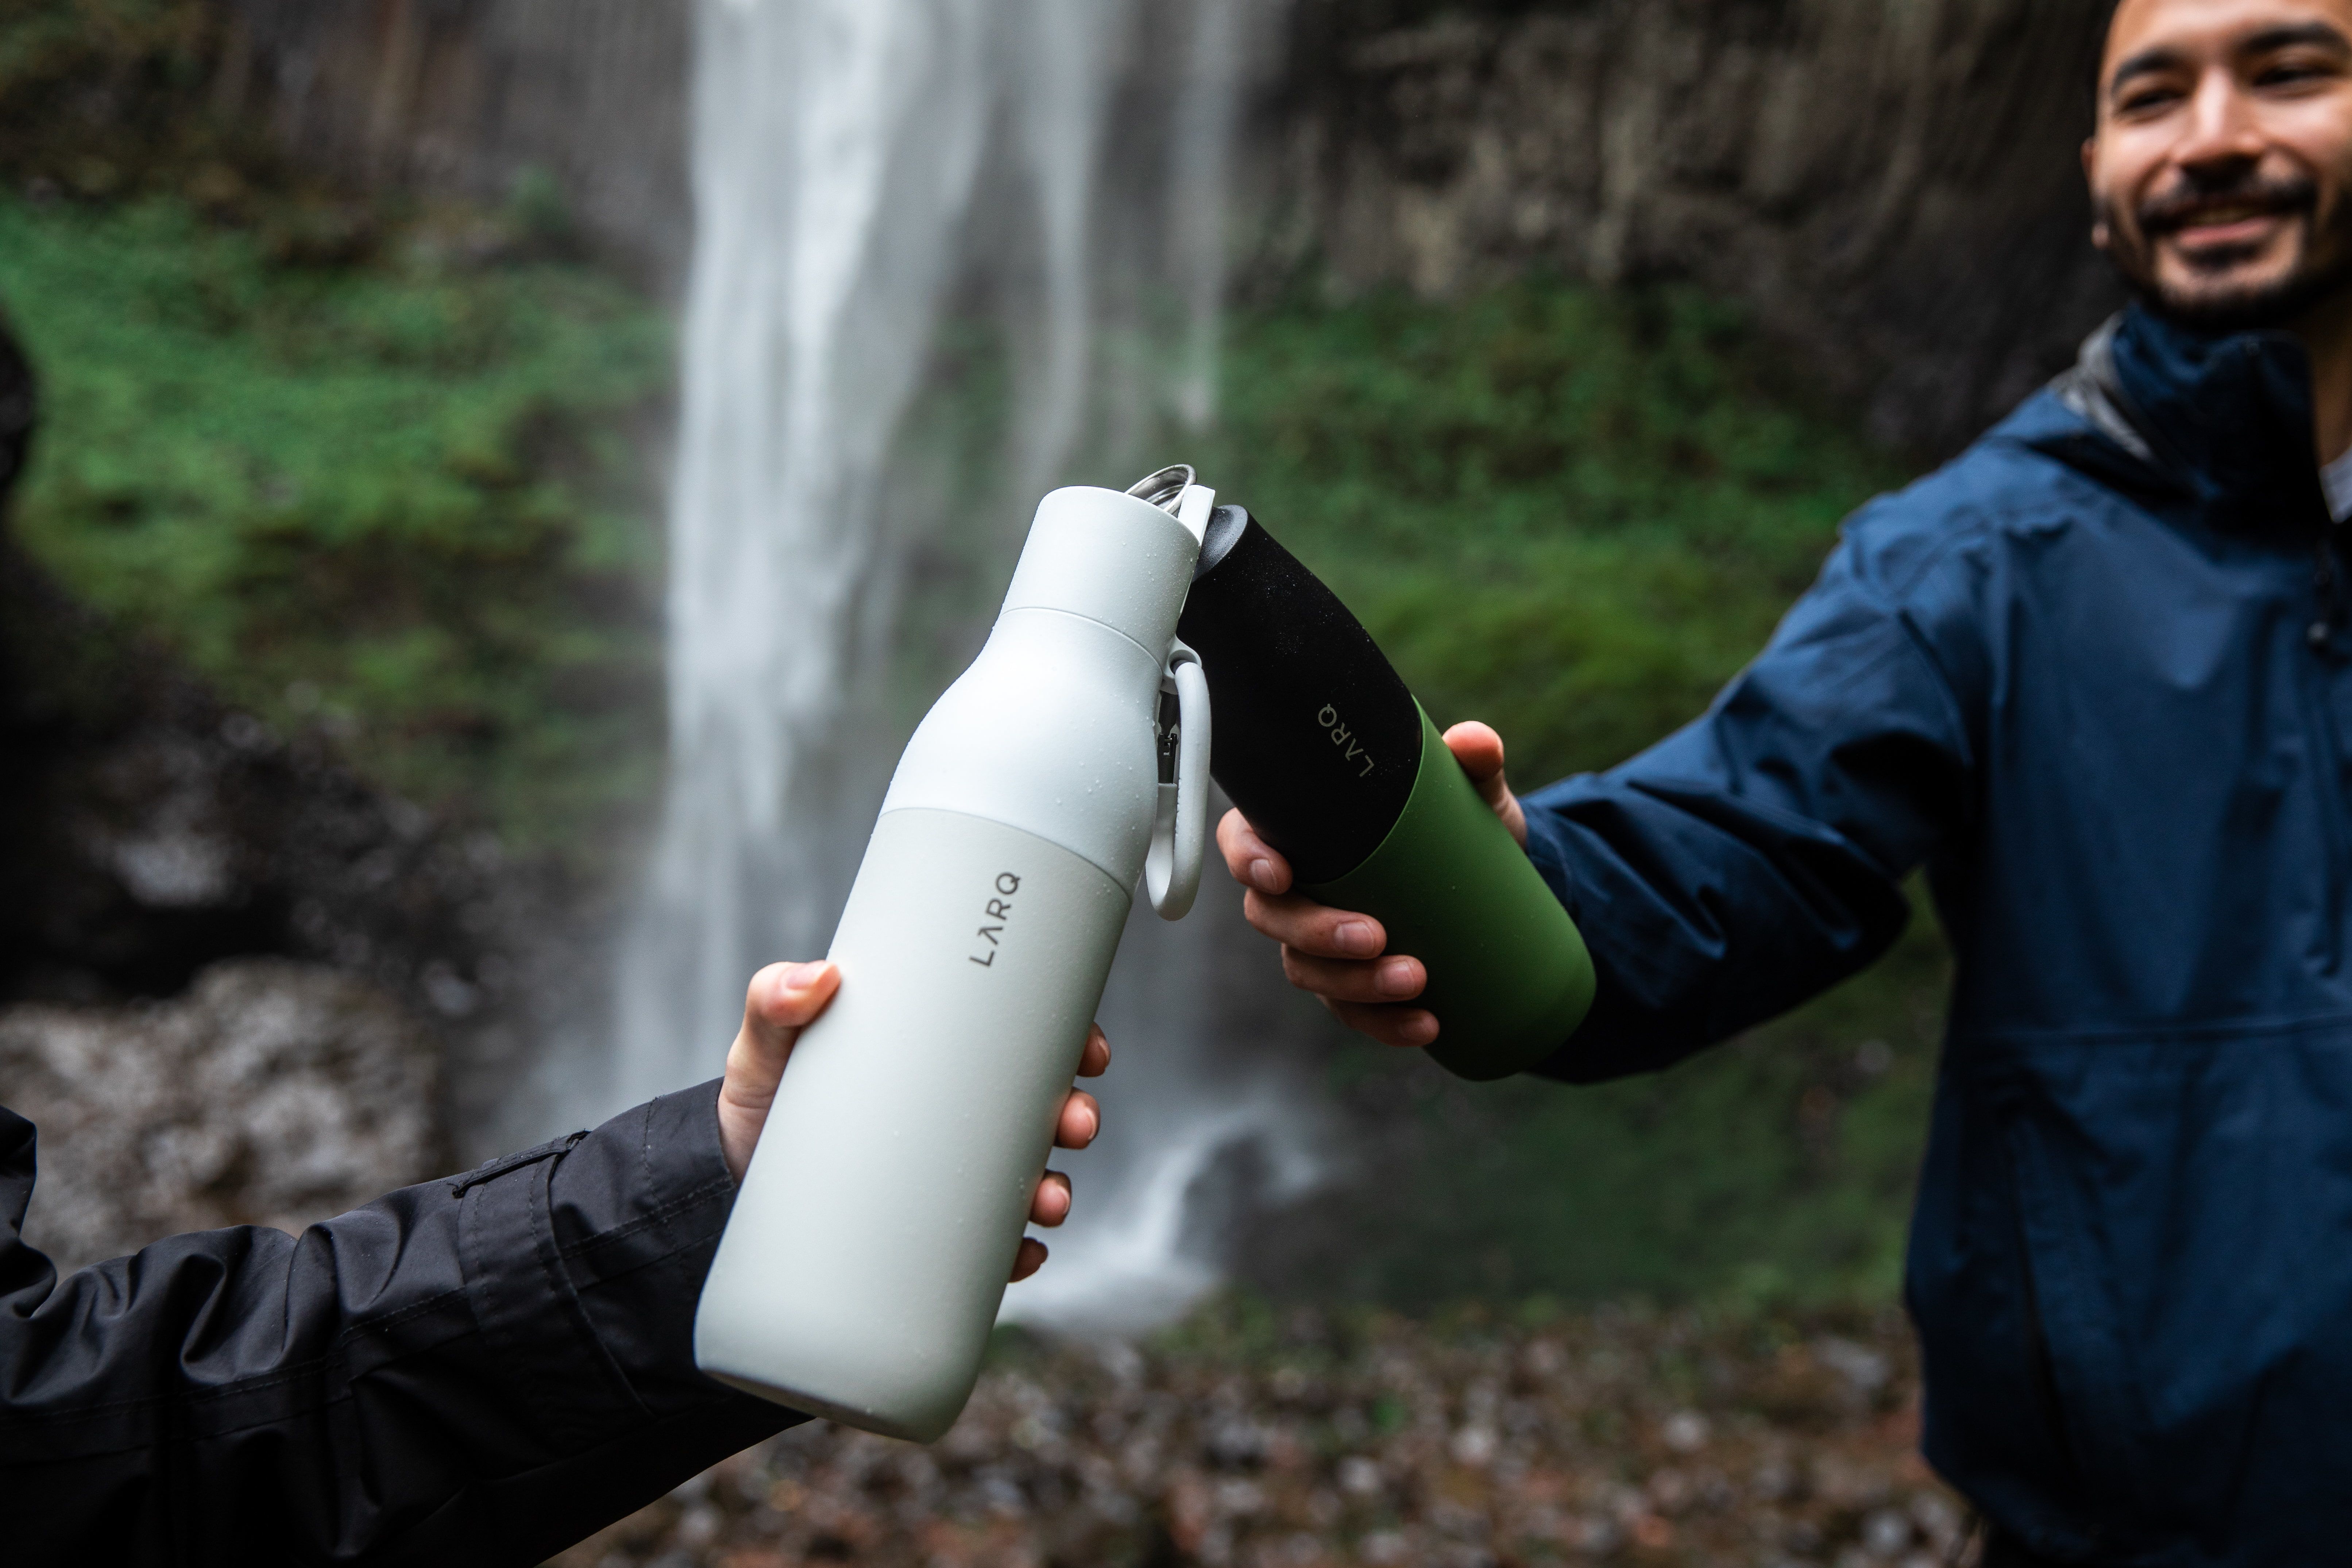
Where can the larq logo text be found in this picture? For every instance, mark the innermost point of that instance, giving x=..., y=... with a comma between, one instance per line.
x=1344, y=738
x=999, y=910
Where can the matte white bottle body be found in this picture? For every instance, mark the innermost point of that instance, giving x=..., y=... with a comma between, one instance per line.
x=863, y=1266
x=867, y=1253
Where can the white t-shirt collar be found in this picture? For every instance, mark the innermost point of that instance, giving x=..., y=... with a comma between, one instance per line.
x=2336, y=479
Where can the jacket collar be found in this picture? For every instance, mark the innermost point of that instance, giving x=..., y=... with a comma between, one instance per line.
x=2220, y=423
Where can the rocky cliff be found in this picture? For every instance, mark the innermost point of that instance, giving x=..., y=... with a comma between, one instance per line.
x=1890, y=184
x=471, y=98
x=1893, y=185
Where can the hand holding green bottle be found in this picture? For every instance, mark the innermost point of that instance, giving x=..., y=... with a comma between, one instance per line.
x=1341, y=956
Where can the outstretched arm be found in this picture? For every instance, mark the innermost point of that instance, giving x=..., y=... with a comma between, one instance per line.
x=1745, y=863
x=479, y=1370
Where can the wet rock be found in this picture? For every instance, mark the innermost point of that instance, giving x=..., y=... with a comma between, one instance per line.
x=151, y=831
x=1893, y=187
x=272, y=1093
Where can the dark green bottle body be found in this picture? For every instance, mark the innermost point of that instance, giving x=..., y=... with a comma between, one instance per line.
x=1509, y=978
x=1325, y=750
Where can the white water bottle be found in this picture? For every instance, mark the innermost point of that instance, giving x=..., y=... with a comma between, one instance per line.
x=863, y=1266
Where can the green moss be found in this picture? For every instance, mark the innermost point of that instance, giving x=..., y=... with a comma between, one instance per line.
x=394, y=500
x=1569, y=512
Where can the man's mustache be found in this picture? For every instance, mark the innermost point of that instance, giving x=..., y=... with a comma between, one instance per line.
x=2177, y=210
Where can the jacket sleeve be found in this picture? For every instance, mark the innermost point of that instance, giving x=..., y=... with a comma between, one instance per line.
x=480, y=1369
x=1756, y=857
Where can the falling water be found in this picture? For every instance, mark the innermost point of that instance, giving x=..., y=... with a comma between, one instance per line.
x=837, y=146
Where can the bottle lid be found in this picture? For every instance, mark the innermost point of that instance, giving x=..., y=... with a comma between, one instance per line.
x=1317, y=739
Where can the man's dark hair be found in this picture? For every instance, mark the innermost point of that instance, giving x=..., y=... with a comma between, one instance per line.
x=2099, y=54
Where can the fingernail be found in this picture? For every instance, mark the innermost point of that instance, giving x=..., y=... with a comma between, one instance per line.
x=801, y=977
x=1355, y=936
x=1262, y=876
x=1420, y=1030
x=1395, y=977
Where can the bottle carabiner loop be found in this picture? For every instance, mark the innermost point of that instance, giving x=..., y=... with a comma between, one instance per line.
x=1179, y=827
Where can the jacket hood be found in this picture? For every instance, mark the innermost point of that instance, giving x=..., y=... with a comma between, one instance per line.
x=2218, y=423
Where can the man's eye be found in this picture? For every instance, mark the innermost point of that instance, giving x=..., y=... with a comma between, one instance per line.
x=2293, y=72
x=2143, y=100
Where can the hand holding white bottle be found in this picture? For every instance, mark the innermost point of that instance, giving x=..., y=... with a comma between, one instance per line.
x=785, y=998
x=862, y=1268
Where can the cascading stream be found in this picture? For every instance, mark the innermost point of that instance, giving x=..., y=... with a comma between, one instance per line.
x=818, y=262
x=837, y=149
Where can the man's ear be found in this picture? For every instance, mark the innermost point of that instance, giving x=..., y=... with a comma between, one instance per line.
x=2099, y=233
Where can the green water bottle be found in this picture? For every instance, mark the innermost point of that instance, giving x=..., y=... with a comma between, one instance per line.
x=1335, y=765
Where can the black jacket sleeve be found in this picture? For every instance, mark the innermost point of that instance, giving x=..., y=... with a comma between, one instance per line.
x=480, y=1369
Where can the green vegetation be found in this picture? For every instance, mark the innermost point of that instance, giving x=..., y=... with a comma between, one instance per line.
x=1568, y=512
x=395, y=498
x=1575, y=514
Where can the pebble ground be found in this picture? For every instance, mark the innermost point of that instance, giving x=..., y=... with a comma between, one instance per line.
x=1253, y=1438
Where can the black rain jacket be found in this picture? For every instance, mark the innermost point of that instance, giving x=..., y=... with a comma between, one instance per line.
x=480, y=1369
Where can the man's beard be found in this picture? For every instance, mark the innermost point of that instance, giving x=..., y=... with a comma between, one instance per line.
x=2275, y=303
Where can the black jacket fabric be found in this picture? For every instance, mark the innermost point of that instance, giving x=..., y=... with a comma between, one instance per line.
x=480, y=1369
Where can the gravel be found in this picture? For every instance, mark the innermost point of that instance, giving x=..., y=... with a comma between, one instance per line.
x=1254, y=1438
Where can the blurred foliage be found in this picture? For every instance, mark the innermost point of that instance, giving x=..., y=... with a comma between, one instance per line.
x=394, y=499
x=1772, y=1172
x=1574, y=513
x=1569, y=512
x=105, y=98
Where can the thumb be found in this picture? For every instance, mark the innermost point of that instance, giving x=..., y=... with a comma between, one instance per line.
x=784, y=999
x=1479, y=749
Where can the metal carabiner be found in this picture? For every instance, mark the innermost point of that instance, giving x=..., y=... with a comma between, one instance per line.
x=1179, y=827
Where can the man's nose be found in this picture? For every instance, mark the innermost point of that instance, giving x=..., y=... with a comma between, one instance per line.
x=2220, y=135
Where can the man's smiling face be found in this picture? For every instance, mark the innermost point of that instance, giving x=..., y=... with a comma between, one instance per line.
x=2221, y=167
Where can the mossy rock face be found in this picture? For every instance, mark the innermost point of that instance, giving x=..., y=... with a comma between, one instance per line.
x=398, y=503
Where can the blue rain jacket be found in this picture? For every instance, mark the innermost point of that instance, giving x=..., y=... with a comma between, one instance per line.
x=2096, y=675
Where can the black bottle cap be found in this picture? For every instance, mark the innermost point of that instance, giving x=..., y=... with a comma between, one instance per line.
x=1317, y=739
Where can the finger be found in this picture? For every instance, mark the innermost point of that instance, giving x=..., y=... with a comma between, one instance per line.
x=1395, y=979
x=789, y=995
x=1409, y=1027
x=1095, y=1058
x=1029, y=1260
x=1050, y=1205
x=783, y=1000
x=1314, y=927
x=1253, y=861
x=1080, y=1120
x=1479, y=749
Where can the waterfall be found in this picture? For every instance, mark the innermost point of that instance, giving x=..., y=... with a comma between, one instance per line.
x=837, y=148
